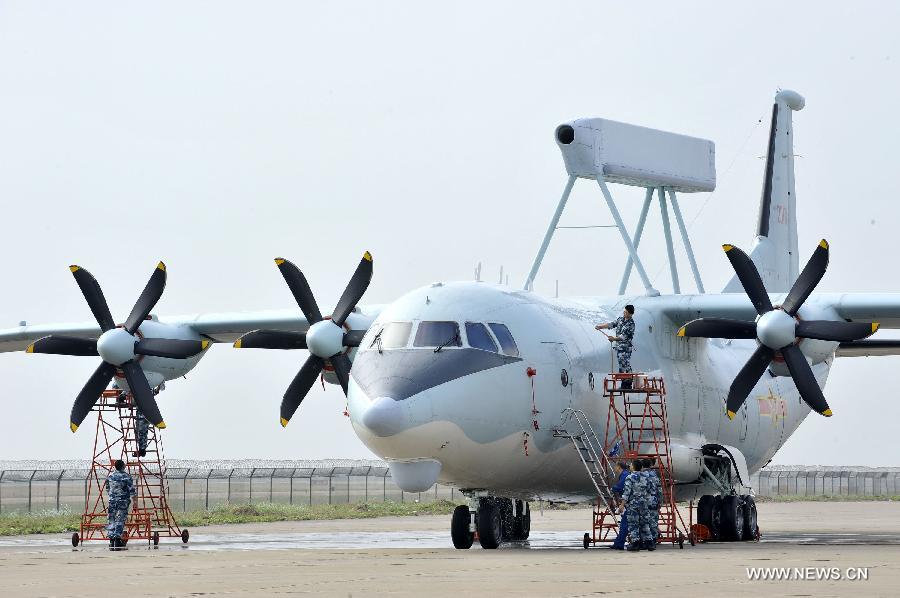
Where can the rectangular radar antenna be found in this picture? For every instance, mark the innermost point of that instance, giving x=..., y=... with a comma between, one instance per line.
x=660, y=162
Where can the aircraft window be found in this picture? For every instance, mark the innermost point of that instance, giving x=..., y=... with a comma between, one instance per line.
x=394, y=335
x=479, y=337
x=437, y=334
x=506, y=340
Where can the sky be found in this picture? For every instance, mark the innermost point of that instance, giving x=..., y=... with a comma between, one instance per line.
x=218, y=135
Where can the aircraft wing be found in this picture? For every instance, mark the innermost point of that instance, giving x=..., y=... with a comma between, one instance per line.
x=219, y=327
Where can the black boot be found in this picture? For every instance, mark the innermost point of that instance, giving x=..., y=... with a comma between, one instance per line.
x=650, y=545
x=633, y=547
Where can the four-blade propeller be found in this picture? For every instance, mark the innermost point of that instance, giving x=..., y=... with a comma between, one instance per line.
x=326, y=339
x=119, y=347
x=778, y=330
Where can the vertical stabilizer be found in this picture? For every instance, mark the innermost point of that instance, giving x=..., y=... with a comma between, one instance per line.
x=775, y=247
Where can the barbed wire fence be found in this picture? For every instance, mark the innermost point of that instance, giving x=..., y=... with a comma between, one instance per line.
x=37, y=486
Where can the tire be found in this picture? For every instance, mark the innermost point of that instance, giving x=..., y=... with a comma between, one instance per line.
x=459, y=528
x=156, y=538
x=707, y=516
x=732, y=518
x=76, y=539
x=487, y=520
x=750, y=523
x=507, y=519
x=185, y=536
x=586, y=540
x=523, y=524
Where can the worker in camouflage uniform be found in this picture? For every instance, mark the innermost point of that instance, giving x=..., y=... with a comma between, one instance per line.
x=624, y=327
x=636, y=497
x=655, y=501
x=619, y=487
x=119, y=490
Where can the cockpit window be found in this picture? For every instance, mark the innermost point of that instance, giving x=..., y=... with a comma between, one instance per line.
x=394, y=335
x=479, y=337
x=437, y=334
x=505, y=338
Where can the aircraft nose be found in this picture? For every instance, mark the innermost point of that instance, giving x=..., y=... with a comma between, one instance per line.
x=384, y=417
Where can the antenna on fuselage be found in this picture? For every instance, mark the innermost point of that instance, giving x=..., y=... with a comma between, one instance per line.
x=478, y=272
x=612, y=152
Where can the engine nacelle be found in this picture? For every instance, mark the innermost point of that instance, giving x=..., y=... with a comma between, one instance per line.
x=816, y=351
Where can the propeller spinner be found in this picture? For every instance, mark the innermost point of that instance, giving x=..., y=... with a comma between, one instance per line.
x=326, y=338
x=119, y=347
x=778, y=330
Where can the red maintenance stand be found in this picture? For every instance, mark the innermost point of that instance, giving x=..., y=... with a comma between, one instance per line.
x=150, y=517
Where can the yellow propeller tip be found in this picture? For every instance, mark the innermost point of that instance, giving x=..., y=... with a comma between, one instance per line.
x=161, y=425
x=727, y=247
x=827, y=413
x=731, y=414
x=823, y=244
x=875, y=326
x=161, y=266
x=681, y=331
x=237, y=344
x=74, y=268
x=367, y=256
x=30, y=348
x=284, y=423
x=204, y=345
x=73, y=427
x=279, y=261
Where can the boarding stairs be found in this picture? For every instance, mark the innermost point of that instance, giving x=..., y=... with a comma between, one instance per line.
x=600, y=470
x=149, y=517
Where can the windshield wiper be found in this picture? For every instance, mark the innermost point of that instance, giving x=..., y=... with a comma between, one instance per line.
x=452, y=339
x=377, y=339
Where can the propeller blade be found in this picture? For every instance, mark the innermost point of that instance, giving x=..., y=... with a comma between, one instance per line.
x=341, y=364
x=300, y=289
x=805, y=381
x=808, y=279
x=85, y=400
x=353, y=338
x=147, y=301
x=828, y=330
x=90, y=288
x=143, y=395
x=749, y=276
x=63, y=345
x=718, y=328
x=354, y=291
x=271, y=339
x=300, y=385
x=171, y=348
x=747, y=378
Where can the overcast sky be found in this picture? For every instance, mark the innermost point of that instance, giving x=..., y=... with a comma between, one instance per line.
x=218, y=135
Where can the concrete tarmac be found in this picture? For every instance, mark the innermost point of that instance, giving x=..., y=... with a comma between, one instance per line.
x=413, y=556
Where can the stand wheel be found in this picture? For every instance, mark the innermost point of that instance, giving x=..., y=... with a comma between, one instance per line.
x=156, y=538
x=124, y=539
x=76, y=539
x=692, y=539
x=681, y=540
x=185, y=535
x=587, y=540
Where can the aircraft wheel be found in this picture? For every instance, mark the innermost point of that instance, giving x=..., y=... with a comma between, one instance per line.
x=732, y=518
x=522, y=526
x=750, y=527
x=488, y=523
x=708, y=514
x=459, y=528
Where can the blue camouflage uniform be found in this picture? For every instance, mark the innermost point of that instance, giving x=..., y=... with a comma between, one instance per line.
x=618, y=489
x=625, y=331
x=654, y=502
x=119, y=489
x=142, y=426
x=636, y=495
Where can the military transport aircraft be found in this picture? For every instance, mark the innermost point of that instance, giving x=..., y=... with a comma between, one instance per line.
x=438, y=382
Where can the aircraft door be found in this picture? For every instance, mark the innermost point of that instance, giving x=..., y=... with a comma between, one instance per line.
x=557, y=382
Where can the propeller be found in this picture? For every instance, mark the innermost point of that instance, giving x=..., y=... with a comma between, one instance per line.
x=778, y=330
x=118, y=347
x=326, y=339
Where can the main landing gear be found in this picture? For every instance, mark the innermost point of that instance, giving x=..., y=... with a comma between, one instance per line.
x=730, y=518
x=495, y=521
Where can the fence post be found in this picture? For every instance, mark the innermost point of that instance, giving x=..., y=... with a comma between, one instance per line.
x=330, y=483
x=310, y=486
x=184, y=490
x=252, y=471
x=58, y=484
x=368, y=471
x=230, y=473
x=207, y=488
x=271, y=478
x=2, y=473
x=33, y=473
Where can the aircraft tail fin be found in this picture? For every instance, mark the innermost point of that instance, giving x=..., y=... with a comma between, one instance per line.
x=774, y=249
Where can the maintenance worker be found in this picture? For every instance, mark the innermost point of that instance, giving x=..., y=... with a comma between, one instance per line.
x=143, y=426
x=635, y=496
x=655, y=501
x=618, y=489
x=624, y=327
x=119, y=490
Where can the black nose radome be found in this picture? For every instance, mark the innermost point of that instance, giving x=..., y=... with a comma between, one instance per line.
x=565, y=134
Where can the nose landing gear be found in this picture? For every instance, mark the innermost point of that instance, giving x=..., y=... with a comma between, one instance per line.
x=496, y=520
